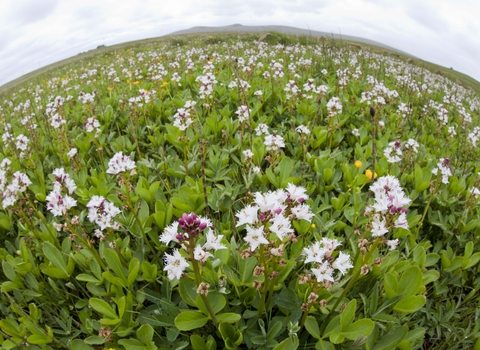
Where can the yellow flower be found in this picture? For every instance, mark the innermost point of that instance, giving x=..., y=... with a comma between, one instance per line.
x=358, y=164
x=313, y=225
x=369, y=174
x=109, y=88
x=165, y=83
x=136, y=83
x=128, y=81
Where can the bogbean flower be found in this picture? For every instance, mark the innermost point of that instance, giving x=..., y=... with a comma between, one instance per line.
x=303, y=130
x=334, y=107
x=119, y=164
x=394, y=152
x=274, y=142
x=186, y=231
x=390, y=207
x=243, y=113
x=320, y=254
x=19, y=184
x=444, y=166
x=102, y=212
x=72, y=153
x=272, y=213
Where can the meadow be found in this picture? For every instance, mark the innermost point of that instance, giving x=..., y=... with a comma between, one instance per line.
x=240, y=192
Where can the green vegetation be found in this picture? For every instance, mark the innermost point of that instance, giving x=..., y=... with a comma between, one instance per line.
x=240, y=192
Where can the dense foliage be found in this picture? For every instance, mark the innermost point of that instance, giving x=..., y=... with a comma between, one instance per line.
x=228, y=192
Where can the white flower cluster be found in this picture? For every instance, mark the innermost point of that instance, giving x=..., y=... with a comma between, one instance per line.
x=274, y=142
x=334, y=107
x=144, y=97
x=444, y=166
x=320, y=253
x=191, y=226
x=302, y=129
x=19, y=184
x=206, y=84
x=390, y=208
x=102, y=212
x=474, y=136
x=182, y=119
x=58, y=202
x=120, y=163
x=92, y=124
x=272, y=213
x=394, y=152
x=243, y=113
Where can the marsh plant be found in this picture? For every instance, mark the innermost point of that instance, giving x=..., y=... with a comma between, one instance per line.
x=232, y=193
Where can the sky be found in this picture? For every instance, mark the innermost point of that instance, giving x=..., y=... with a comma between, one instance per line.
x=35, y=33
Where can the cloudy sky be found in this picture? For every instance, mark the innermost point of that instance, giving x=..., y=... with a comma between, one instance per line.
x=34, y=33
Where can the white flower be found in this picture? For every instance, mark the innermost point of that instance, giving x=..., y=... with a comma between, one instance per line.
x=378, y=226
x=302, y=211
x=281, y=226
x=324, y=272
x=392, y=244
x=170, y=233
x=314, y=253
x=213, y=241
x=243, y=113
x=255, y=237
x=72, y=153
x=201, y=255
x=261, y=129
x=297, y=193
x=401, y=221
x=274, y=142
x=120, y=163
x=248, y=215
x=302, y=129
x=248, y=154
x=102, y=212
x=59, y=205
x=175, y=264
x=330, y=244
x=342, y=263
x=356, y=132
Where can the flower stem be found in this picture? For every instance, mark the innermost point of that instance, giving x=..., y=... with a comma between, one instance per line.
x=198, y=280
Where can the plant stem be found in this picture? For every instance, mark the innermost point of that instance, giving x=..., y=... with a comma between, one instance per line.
x=198, y=281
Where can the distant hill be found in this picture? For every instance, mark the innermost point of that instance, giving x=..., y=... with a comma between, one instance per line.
x=284, y=30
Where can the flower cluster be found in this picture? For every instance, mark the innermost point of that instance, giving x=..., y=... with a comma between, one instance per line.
x=120, y=163
x=19, y=184
x=320, y=253
x=390, y=207
x=57, y=201
x=187, y=231
x=272, y=213
x=182, y=119
x=444, y=166
x=102, y=212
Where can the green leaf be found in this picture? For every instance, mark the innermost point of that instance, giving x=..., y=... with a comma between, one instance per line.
x=410, y=304
x=78, y=344
x=347, y=315
x=390, y=283
x=95, y=340
x=410, y=282
x=87, y=278
x=188, y=291
x=133, y=269
x=188, y=320
x=228, y=317
x=391, y=339
x=358, y=328
x=115, y=264
x=217, y=302
x=103, y=307
x=311, y=325
x=290, y=343
x=324, y=345
x=55, y=257
x=197, y=342
x=145, y=334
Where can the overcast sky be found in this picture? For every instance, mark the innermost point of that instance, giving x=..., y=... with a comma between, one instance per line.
x=34, y=33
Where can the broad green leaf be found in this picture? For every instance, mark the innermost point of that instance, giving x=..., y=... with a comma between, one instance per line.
x=103, y=307
x=347, y=315
x=188, y=320
x=290, y=343
x=78, y=344
x=188, y=291
x=324, y=345
x=145, y=334
x=133, y=269
x=391, y=339
x=115, y=264
x=410, y=304
x=410, y=282
x=94, y=340
x=358, y=328
x=55, y=257
x=311, y=326
x=228, y=317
